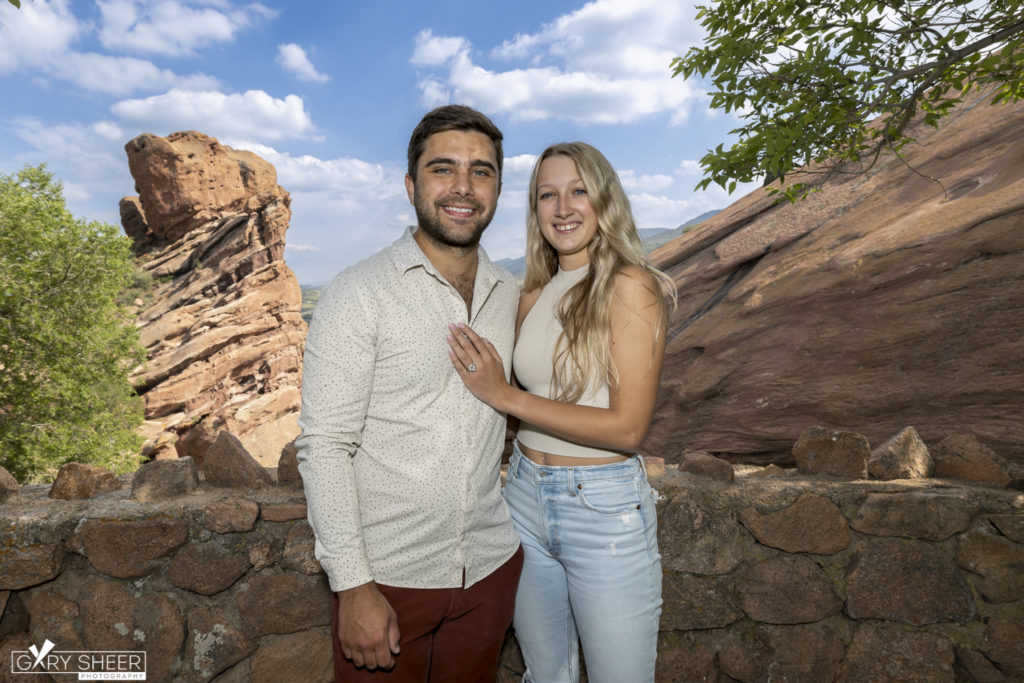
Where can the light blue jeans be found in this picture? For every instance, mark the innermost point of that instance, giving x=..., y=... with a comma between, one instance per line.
x=591, y=571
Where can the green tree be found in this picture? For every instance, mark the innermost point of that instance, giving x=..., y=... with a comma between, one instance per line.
x=66, y=345
x=806, y=77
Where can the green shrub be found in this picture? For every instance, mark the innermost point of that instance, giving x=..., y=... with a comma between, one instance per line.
x=66, y=345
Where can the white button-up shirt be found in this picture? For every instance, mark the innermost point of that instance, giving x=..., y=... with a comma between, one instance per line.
x=400, y=462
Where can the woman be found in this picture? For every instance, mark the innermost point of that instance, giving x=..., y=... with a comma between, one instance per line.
x=590, y=342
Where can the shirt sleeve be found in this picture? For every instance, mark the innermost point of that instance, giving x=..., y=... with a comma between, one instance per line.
x=337, y=378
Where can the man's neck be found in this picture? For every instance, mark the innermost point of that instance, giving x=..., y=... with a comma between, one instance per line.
x=456, y=264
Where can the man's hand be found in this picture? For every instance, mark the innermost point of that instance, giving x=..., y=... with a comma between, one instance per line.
x=367, y=627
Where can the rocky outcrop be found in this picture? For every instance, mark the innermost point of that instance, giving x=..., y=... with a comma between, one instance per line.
x=878, y=302
x=222, y=323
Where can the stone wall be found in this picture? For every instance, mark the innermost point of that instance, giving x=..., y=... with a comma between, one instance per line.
x=808, y=578
x=776, y=575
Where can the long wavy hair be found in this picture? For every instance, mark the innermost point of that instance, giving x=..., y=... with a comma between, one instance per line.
x=583, y=349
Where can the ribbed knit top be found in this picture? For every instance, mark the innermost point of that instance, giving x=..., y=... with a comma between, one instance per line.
x=533, y=363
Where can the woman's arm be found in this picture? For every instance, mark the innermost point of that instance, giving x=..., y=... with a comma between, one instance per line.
x=637, y=349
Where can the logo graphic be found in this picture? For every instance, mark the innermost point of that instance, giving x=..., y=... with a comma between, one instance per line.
x=39, y=654
x=87, y=665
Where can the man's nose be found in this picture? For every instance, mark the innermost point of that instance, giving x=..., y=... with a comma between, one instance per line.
x=462, y=182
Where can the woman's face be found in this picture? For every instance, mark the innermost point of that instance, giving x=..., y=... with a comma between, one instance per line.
x=564, y=213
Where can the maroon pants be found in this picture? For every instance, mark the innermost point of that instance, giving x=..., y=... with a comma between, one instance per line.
x=447, y=635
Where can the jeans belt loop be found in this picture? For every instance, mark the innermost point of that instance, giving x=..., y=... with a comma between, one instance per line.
x=643, y=467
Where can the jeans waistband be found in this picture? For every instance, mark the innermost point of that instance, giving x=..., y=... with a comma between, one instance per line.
x=521, y=466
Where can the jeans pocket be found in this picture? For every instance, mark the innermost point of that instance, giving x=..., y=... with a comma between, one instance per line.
x=609, y=496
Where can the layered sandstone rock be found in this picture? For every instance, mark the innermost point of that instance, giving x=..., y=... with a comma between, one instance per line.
x=878, y=302
x=222, y=327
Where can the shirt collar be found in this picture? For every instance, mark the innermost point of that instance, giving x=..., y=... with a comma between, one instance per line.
x=406, y=254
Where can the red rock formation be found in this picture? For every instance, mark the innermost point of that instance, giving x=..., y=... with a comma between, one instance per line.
x=223, y=329
x=879, y=302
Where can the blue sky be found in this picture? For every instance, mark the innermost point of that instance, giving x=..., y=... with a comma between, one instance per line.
x=330, y=91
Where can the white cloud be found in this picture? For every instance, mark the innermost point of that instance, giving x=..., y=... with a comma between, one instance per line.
x=661, y=211
x=362, y=181
x=122, y=75
x=519, y=165
x=36, y=35
x=251, y=115
x=293, y=59
x=95, y=150
x=39, y=38
x=689, y=167
x=88, y=159
x=613, y=37
x=607, y=63
x=302, y=247
x=647, y=182
x=433, y=93
x=172, y=27
x=433, y=50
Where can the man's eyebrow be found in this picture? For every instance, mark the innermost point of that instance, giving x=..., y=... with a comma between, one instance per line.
x=484, y=163
x=445, y=161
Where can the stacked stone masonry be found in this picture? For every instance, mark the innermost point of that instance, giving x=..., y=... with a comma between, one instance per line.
x=776, y=576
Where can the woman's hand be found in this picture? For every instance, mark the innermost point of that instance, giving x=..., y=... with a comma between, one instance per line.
x=478, y=364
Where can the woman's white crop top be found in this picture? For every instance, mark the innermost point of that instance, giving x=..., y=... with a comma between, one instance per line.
x=532, y=361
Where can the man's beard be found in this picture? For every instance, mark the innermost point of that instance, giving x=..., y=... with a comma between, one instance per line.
x=431, y=223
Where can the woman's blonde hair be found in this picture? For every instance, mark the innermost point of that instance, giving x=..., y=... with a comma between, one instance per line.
x=583, y=349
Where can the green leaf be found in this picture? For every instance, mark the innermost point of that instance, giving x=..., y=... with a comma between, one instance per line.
x=805, y=77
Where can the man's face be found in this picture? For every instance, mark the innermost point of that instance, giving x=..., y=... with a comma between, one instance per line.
x=456, y=188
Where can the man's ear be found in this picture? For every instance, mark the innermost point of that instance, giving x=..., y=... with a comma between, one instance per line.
x=410, y=188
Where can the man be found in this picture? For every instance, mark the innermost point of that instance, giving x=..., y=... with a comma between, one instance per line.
x=399, y=461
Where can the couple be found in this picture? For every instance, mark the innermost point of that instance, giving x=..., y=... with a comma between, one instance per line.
x=405, y=395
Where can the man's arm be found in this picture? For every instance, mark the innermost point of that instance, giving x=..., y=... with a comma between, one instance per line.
x=337, y=379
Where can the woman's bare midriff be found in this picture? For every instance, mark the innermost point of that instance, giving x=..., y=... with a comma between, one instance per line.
x=552, y=460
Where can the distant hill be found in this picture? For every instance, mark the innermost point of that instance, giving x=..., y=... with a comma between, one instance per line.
x=516, y=266
x=652, y=239
x=648, y=233
x=310, y=295
x=664, y=235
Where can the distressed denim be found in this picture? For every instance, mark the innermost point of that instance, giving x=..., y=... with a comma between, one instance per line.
x=591, y=570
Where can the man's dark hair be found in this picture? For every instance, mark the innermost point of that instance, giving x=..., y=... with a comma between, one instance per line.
x=451, y=117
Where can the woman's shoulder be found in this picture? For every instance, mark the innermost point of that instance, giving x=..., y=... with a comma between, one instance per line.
x=633, y=281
